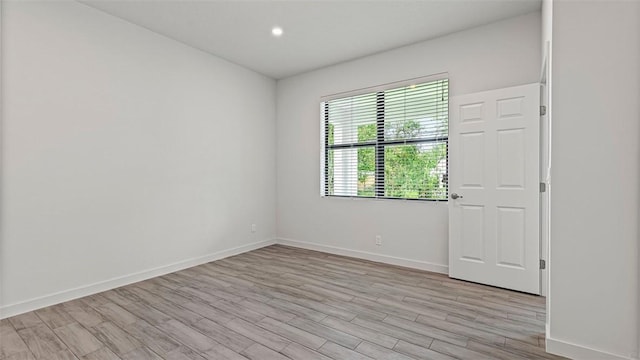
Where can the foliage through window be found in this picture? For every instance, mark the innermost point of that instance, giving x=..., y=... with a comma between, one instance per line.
x=389, y=143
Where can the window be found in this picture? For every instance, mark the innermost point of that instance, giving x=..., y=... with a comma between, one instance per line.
x=387, y=142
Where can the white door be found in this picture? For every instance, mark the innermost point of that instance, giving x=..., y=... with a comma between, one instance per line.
x=494, y=188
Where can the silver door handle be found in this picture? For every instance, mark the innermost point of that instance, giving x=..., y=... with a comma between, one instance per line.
x=455, y=196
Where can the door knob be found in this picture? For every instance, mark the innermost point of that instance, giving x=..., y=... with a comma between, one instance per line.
x=455, y=196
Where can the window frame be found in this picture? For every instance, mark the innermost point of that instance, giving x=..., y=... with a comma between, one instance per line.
x=380, y=143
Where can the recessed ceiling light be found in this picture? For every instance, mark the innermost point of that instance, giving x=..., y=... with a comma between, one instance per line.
x=277, y=31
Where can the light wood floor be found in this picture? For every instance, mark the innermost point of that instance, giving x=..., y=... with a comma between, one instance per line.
x=280, y=302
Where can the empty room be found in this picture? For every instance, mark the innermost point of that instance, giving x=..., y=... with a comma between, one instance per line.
x=319, y=179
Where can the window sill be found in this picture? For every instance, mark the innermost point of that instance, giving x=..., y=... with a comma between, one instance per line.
x=360, y=198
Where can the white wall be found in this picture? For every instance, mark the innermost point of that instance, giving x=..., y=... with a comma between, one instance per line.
x=125, y=154
x=596, y=187
x=413, y=233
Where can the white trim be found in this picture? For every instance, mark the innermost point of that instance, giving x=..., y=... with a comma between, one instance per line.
x=86, y=290
x=574, y=351
x=384, y=87
x=415, y=264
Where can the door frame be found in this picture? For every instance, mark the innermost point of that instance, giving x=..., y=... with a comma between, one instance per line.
x=545, y=172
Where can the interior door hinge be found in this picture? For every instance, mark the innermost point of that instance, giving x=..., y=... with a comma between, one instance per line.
x=543, y=187
x=543, y=264
x=543, y=110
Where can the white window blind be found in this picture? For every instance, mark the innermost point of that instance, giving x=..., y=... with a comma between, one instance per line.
x=387, y=142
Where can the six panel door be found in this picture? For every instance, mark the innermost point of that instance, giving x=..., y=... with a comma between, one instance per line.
x=494, y=177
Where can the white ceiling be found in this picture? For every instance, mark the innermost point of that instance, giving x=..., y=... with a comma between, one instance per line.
x=316, y=33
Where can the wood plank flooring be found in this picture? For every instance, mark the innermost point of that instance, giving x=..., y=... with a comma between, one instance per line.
x=286, y=303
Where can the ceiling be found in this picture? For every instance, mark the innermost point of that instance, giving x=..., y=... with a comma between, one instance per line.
x=317, y=33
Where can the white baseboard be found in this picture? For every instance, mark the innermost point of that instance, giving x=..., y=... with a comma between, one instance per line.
x=553, y=346
x=392, y=260
x=67, y=295
x=574, y=351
